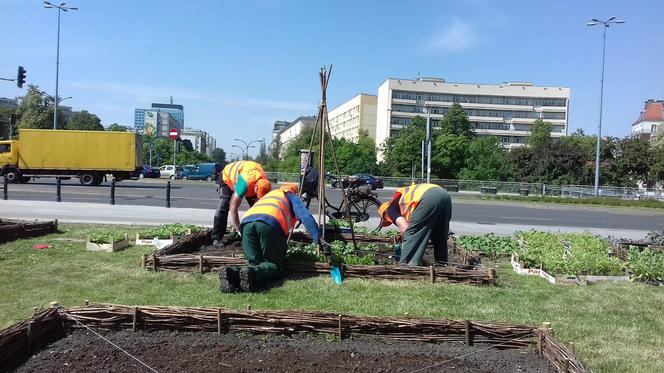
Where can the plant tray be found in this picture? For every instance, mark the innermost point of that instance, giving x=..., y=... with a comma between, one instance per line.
x=583, y=280
x=107, y=247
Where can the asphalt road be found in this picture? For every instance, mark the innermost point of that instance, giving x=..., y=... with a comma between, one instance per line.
x=203, y=195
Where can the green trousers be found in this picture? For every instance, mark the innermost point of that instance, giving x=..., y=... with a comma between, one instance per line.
x=265, y=248
x=429, y=221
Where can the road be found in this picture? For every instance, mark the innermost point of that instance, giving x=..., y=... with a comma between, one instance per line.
x=203, y=195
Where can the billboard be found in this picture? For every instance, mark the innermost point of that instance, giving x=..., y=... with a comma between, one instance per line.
x=150, y=126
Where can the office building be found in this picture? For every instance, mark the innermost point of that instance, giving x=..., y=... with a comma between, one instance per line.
x=278, y=126
x=198, y=139
x=358, y=113
x=143, y=115
x=177, y=111
x=293, y=129
x=506, y=110
x=650, y=121
x=211, y=145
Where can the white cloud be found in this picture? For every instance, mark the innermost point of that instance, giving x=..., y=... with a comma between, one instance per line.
x=145, y=94
x=457, y=36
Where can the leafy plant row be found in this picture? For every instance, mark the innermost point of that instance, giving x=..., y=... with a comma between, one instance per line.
x=489, y=244
x=165, y=231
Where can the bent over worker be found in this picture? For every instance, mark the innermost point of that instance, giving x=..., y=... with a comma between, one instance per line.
x=238, y=180
x=422, y=212
x=265, y=228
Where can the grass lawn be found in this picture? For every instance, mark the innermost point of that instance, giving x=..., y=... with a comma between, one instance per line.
x=612, y=202
x=615, y=327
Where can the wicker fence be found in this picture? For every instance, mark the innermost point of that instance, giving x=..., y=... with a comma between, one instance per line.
x=15, y=229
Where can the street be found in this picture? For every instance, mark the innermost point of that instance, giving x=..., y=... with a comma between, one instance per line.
x=203, y=195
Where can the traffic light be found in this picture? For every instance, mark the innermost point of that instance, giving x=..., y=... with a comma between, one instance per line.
x=20, y=77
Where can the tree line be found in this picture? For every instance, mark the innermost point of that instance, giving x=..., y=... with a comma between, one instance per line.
x=458, y=153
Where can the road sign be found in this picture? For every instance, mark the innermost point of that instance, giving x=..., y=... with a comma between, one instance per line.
x=151, y=146
x=173, y=133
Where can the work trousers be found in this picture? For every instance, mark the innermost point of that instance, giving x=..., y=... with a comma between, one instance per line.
x=429, y=221
x=264, y=247
x=221, y=214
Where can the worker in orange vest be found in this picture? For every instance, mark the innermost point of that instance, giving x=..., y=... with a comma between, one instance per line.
x=241, y=179
x=265, y=228
x=422, y=212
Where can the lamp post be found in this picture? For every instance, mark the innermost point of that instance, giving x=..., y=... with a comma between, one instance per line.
x=606, y=24
x=247, y=145
x=241, y=150
x=60, y=8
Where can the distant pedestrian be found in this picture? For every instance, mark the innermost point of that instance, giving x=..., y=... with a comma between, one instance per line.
x=422, y=213
x=241, y=179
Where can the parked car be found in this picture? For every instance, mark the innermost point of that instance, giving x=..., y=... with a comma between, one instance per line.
x=187, y=170
x=169, y=171
x=357, y=180
x=149, y=172
x=203, y=171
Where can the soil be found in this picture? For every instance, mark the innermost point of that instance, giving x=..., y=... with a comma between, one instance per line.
x=173, y=351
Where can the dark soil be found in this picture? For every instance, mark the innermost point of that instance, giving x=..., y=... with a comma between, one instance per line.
x=171, y=351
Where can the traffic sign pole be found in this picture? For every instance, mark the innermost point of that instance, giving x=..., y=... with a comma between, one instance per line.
x=173, y=133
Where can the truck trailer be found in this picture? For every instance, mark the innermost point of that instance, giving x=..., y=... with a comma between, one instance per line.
x=86, y=155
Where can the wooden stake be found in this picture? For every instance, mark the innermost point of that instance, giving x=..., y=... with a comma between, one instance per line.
x=540, y=340
x=144, y=261
x=219, y=322
x=469, y=337
x=248, y=307
x=341, y=330
x=86, y=302
x=154, y=262
x=28, y=331
x=200, y=263
x=134, y=324
x=34, y=310
x=432, y=274
x=492, y=275
x=566, y=365
x=53, y=304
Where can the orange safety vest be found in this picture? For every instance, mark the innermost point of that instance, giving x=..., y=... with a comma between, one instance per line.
x=274, y=205
x=250, y=171
x=411, y=197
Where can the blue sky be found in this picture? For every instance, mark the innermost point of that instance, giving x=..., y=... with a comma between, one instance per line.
x=237, y=66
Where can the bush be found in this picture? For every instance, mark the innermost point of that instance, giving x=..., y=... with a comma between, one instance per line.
x=647, y=265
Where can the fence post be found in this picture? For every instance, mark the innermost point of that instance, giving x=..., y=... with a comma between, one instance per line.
x=113, y=192
x=168, y=194
x=5, y=183
x=58, y=184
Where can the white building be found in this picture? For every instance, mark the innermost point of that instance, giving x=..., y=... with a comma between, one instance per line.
x=293, y=130
x=358, y=113
x=211, y=143
x=506, y=110
x=650, y=121
x=198, y=139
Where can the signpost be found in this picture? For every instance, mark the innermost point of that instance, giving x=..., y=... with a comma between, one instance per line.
x=173, y=134
x=151, y=150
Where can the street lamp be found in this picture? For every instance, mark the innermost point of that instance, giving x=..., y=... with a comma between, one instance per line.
x=241, y=149
x=606, y=24
x=247, y=145
x=63, y=8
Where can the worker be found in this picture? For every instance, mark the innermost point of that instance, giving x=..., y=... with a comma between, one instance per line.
x=265, y=228
x=422, y=212
x=241, y=179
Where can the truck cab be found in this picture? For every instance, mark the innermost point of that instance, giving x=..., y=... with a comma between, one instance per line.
x=9, y=160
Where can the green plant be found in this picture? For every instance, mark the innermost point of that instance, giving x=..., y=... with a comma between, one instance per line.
x=106, y=237
x=570, y=254
x=165, y=231
x=656, y=237
x=647, y=264
x=489, y=244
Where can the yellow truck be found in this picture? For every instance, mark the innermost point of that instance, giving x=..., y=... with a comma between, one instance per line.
x=86, y=155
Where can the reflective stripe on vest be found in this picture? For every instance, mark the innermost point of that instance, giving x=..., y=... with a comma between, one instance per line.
x=231, y=172
x=250, y=171
x=411, y=197
x=275, y=204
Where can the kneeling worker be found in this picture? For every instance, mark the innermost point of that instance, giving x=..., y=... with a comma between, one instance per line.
x=265, y=228
x=238, y=180
x=422, y=212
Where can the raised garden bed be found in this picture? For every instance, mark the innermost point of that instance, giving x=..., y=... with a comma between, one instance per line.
x=107, y=242
x=167, y=234
x=567, y=259
x=11, y=229
x=484, y=341
x=489, y=245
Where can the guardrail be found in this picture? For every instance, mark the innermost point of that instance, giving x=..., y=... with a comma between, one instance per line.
x=507, y=187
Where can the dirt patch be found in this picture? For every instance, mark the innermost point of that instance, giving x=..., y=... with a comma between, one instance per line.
x=172, y=351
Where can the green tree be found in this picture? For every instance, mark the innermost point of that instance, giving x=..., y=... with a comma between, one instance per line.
x=402, y=151
x=35, y=111
x=187, y=145
x=219, y=156
x=353, y=158
x=84, y=121
x=540, y=135
x=630, y=165
x=5, y=120
x=485, y=160
x=262, y=154
x=449, y=153
x=117, y=128
x=456, y=122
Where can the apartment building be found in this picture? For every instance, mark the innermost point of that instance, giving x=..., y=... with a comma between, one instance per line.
x=651, y=120
x=358, y=113
x=293, y=130
x=506, y=110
